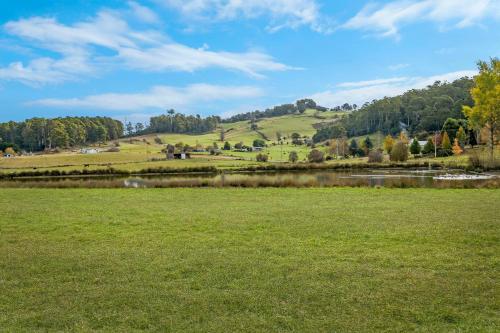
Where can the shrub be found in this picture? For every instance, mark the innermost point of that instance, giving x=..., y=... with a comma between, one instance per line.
x=259, y=143
x=293, y=157
x=10, y=151
x=376, y=156
x=399, y=152
x=368, y=144
x=429, y=147
x=262, y=157
x=415, y=147
x=316, y=156
x=227, y=146
x=457, y=150
x=446, y=144
x=353, y=147
x=158, y=140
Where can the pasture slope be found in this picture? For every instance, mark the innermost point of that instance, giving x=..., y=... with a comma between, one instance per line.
x=143, y=152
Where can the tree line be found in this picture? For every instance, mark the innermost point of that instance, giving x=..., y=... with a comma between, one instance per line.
x=300, y=106
x=418, y=111
x=38, y=134
x=173, y=122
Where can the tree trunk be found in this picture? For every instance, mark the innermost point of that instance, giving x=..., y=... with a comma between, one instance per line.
x=492, y=142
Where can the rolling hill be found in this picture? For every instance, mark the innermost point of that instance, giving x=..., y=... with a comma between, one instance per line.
x=303, y=124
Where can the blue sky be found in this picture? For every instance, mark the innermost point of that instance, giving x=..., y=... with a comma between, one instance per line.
x=134, y=59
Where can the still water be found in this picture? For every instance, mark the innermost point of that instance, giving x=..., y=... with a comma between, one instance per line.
x=331, y=178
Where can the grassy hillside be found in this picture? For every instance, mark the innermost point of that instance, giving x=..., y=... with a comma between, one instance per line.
x=241, y=132
x=141, y=152
x=254, y=260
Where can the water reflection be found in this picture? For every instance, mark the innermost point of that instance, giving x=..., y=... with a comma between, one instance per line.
x=355, y=178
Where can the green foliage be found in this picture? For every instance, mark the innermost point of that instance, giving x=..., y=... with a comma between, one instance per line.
x=461, y=136
x=293, y=157
x=331, y=132
x=446, y=143
x=281, y=110
x=399, y=152
x=420, y=110
x=227, y=146
x=367, y=143
x=451, y=126
x=39, y=133
x=415, y=148
x=179, y=123
x=486, y=95
x=259, y=143
x=429, y=147
x=446, y=148
x=354, y=149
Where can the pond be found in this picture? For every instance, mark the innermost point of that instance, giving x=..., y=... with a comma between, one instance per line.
x=324, y=178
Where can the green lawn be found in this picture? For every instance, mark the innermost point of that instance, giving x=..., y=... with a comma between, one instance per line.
x=249, y=260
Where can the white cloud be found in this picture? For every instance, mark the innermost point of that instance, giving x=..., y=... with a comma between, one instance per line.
x=159, y=97
x=282, y=13
x=386, y=20
x=47, y=70
x=366, y=91
x=180, y=57
x=147, y=50
x=143, y=13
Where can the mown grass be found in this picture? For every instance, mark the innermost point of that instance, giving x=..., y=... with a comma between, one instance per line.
x=254, y=260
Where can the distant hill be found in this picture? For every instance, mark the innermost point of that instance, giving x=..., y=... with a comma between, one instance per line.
x=246, y=131
x=417, y=111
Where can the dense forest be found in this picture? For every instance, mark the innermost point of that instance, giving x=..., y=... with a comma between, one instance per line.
x=38, y=134
x=418, y=111
x=179, y=123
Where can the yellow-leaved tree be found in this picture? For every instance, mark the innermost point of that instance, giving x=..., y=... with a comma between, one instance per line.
x=486, y=96
x=388, y=144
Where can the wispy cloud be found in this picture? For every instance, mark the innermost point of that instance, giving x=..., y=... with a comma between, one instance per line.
x=398, y=67
x=366, y=91
x=143, y=13
x=386, y=20
x=148, y=50
x=281, y=13
x=159, y=97
x=372, y=82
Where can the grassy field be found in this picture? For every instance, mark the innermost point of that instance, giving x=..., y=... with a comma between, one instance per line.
x=255, y=260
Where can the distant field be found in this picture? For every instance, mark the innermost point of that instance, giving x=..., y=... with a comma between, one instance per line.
x=144, y=152
x=254, y=260
x=138, y=153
